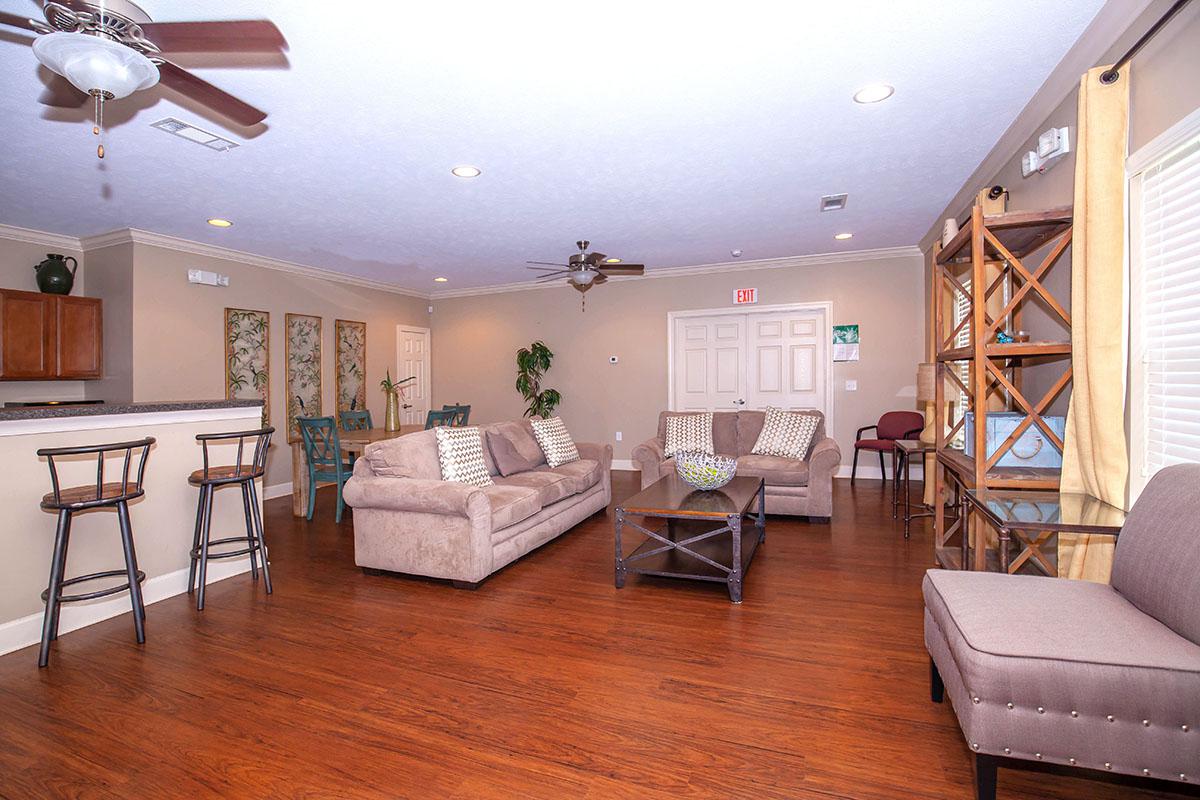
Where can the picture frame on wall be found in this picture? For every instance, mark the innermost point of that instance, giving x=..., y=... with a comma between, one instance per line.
x=303, y=354
x=350, y=370
x=248, y=357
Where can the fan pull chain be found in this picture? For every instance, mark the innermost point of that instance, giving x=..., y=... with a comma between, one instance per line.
x=99, y=122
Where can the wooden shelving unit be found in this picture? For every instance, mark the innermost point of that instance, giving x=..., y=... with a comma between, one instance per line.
x=989, y=251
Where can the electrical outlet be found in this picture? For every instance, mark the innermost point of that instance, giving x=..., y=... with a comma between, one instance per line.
x=618, y=436
x=851, y=386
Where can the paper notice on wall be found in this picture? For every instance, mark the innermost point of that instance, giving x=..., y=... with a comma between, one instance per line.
x=845, y=343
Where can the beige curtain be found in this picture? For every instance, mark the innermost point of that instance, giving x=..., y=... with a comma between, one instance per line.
x=1095, y=460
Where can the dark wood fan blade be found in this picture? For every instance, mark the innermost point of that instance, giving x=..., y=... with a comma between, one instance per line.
x=622, y=269
x=241, y=36
x=200, y=90
x=16, y=20
x=599, y=279
x=60, y=93
x=549, y=279
x=549, y=264
x=595, y=258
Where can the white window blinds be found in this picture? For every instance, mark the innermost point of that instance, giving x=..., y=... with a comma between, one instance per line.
x=1166, y=311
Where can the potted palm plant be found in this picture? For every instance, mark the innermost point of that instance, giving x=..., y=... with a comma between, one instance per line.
x=532, y=364
x=393, y=390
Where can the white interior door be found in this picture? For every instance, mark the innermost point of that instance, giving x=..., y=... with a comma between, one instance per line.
x=412, y=358
x=786, y=355
x=726, y=362
x=709, y=363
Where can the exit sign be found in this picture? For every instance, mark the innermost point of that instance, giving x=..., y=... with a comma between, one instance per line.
x=743, y=297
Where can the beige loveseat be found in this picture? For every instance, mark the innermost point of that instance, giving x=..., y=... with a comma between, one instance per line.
x=801, y=487
x=408, y=520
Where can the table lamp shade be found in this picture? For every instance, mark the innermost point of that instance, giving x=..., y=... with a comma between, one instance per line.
x=926, y=383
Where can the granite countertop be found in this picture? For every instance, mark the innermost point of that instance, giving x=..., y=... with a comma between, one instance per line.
x=100, y=409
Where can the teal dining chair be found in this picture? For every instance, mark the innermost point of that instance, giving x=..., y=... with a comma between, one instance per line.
x=323, y=449
x=355, y=420
x=463, y=413
x=437, y=419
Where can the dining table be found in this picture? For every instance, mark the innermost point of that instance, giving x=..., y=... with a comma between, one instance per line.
x=353, y=442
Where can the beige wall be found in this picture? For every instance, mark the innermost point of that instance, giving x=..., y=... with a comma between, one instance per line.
x=475, y=339
x=17, y=260
x=178, y=350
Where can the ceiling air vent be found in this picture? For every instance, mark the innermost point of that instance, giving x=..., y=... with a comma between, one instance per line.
x=194, y=134
x=833, y=202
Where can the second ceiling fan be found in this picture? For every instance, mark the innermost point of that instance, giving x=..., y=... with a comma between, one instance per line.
x=584, y=270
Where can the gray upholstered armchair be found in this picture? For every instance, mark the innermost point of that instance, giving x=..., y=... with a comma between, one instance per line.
x=1105, y=678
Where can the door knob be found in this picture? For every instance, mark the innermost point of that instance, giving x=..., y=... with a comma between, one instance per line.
x=740, y=402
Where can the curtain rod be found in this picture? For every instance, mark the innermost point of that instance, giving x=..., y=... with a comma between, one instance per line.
x=1111, y=75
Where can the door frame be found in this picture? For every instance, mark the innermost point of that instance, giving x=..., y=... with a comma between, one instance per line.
x=427, y=371
x=824, y=306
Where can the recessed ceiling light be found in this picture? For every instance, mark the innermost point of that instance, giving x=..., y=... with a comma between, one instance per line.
x=466, y=171
x=612, y=261
x=874, y=93
x=841, y=236
x=440, y=280
x=217, y=222
x=735, y=253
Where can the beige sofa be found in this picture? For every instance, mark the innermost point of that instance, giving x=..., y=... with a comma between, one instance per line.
x=798, y=487
x=408, y=520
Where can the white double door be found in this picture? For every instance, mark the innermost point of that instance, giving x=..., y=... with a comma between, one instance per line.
x=728, y=362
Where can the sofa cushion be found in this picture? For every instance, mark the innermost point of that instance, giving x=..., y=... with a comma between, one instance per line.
x=1065, y=669
x=414, y=455
x=774, y=470
x=511, y=504
x=555, y=440
x=513, y=447
x=750, y=425
x=582, y=474
x=551, y=485
x=724, y=430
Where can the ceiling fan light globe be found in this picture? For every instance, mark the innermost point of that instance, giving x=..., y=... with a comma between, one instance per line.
x=94, y=64
x=583, y=277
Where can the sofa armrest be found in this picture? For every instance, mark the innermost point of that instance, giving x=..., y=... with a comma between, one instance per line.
x=416, y=494
x=597, y=452
x=648, y=456
x=823, y=464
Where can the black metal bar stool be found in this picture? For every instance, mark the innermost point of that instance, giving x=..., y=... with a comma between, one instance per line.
x=212, y=478
x=70, y=501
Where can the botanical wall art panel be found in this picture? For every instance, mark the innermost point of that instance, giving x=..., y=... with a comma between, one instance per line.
x=303, y=369
x=351, y=359
x=248, y=357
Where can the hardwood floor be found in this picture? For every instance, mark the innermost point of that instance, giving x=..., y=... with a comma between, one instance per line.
x=546, y=682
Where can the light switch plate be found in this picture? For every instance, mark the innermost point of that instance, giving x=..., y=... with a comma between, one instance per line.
x=851, y=386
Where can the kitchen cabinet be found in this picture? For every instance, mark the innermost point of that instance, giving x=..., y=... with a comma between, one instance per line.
x=50, y=337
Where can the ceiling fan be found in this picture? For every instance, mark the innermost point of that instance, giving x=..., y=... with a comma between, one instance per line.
x=109, y=49
x=584, y=270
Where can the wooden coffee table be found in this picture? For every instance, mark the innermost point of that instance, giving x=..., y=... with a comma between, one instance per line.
x=704, y=551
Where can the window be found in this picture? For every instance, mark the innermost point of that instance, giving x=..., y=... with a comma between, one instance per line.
x=962, y=310
x=1164, y=313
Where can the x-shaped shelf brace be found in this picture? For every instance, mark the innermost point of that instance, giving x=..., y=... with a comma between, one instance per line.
x=681, y=545
x=1031, y=281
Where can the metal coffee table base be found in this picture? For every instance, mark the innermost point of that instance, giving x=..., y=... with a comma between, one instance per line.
x=699, y=556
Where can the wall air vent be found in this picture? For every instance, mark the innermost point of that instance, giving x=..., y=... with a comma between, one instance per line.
x=833, y=202
x=194, y=134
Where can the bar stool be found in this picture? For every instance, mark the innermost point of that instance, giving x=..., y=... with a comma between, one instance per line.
x=212, y=478
x=70, y=501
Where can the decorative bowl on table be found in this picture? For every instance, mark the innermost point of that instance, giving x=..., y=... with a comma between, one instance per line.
x=704, y=471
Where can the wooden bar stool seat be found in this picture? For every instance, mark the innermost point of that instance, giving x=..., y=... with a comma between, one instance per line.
x=209, y=479
x=221, y=475
x=72, y=500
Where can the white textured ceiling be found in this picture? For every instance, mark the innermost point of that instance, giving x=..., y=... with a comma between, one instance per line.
x=664, y=132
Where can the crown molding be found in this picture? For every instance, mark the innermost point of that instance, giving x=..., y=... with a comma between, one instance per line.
x=151, y=239
x=788, y=262
x=30, y=236
x=1105, y=30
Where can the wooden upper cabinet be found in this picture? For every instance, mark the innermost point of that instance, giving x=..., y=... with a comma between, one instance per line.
x=80, y=338
x=49, y=337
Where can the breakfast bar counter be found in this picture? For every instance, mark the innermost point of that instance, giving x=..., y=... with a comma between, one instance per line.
x=163, y=521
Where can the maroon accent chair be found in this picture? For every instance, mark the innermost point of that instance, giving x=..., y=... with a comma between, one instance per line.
x=892, y=425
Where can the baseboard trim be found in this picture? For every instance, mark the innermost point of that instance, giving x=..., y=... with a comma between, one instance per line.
x=871, y=472
x=278, y=490
x=25, y=631
x=624, y=463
